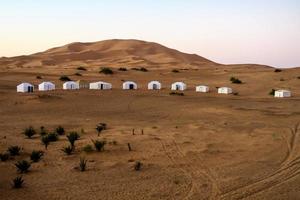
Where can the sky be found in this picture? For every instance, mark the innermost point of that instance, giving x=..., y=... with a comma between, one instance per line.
x=225, y=31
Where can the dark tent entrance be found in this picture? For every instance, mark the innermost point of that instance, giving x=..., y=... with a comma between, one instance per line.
x=30, y=89
x=155, y=87
x=131, y=86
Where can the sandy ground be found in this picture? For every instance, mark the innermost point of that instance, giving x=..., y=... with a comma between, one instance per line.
x=197, y=146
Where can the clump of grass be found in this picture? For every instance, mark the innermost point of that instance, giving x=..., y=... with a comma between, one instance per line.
x=99, y=145
x=72, y=137
x=4, y=157
x=177, y=93
x=53, y=137
x=29, y=132
x=106, y=70
x=175, y=71
x=64, y=78
x=43, y=131
x=272, y=92
x=14, y=150
x=235, y=80
x=23, y=166
x=87, y=148
x=36, y=156
x=138, y=166
x=45, y=140
x=82, y=164
x=122, y=69
x=277, y=70
x=81, y=68
x=17, y=182
x=60, y=130
x=67, y=150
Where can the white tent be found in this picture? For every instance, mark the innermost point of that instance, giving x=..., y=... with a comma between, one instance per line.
x=45, y=86
x=282, y=93
x=129, y=85
x=154, y=85
x=178, y=86
x=100, y=86
x=224, y=90
x=70, y=85
x=202, y=88
x=25, y=87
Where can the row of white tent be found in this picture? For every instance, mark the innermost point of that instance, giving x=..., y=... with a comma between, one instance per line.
x=130, y=85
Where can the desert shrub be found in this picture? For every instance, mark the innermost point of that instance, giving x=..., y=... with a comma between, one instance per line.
x=122, y=69
x=235, y=80
x=81, y=68
x=67, y=150
x=282, y=79
x=298, y=77
x=17, y=182
x=72, y=137
x=143, y=69
x=272, y=92
x=29, y=132
x=60, y=130
x=77, y=74
x=106, y=70
x=4, y=157
x=277, y=70
x=99, y=145
x=82, y=164
x=100, y=127
x=38, y=77
x=43, y=131
x=177, y=93
x=64, y=78
x=175, y=71
x=138, y=166
x=235, y=93
x=45, y=140
x=36, y=156
x=23, y=166
x=14, y=150
x=87, y=148
x=53, y=137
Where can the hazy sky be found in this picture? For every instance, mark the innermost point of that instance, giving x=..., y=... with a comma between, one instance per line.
x=226, y=31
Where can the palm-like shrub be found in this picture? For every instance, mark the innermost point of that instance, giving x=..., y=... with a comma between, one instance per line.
x=36, y=156
x=60, y=130
x=29, y=132
x=4, y=157
x=23, y=166
x=45, y=140
x=17, y=182
x=99, y=145
x=72, y=137
x=14, y=150
x=82, y=164
x=67, y=150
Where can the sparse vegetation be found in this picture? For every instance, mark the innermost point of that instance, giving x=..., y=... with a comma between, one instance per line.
x=235, y=80
x=60, y=130
x=43, y=131
x=138, y=166
x=142, y=69
x=100, y=127
x=272, y=92
x=53, y=137
x=81, y=68
x=99, y=145
x=14, y=150
x=82, y=164
x=23, y=166
x=36, y=156
x=67, y=150
x=177, y=93
x=45, y=140
x=72, y=137
x=87, y=148
x=29, y=132
x=277, y=70
x=282, y=79
x=17, y=182
x=64, y=78
x=4, y=157
x=175, y=71
x=235, y=93
x=77, y=74
x=38, y=77
x=122, y=69
x=106, y=70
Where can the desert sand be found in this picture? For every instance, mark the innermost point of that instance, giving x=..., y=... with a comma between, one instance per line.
x=196, y=146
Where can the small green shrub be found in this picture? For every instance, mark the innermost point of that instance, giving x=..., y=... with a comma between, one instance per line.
x=72, y=137
x=87, y=148
x=64, y=78
x=60, y=130
x=138, y=166
x=106, y=70
x=272, y=92
x=235, y=80
x=67, y=150
x=4, y=157
x=81, y=68
x=122, y=69
x=177, y=93
x=45, y=140
x=14, y=150
x=53, y=137
x=175, y=71
x=99, y=145
x=17, y=182
x=36, y=156
x=23, y=166
x=82, y=164
x=29, y=132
